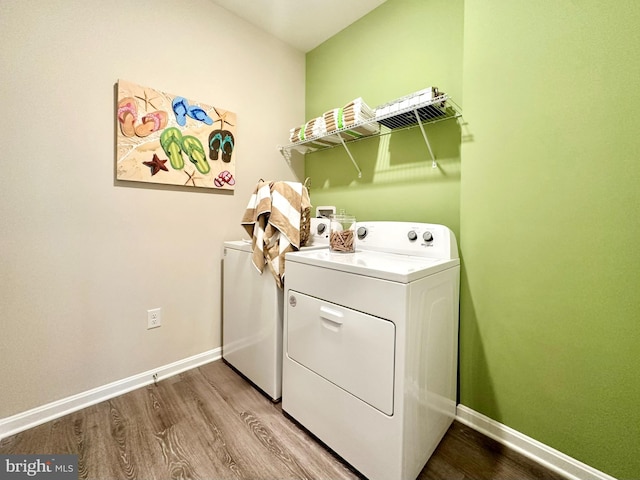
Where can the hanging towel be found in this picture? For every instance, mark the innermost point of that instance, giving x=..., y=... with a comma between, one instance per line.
x=255, y=220
x=272, y=218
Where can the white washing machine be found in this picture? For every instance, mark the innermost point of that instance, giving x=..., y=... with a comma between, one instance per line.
x=252, y=313
x=371, y=342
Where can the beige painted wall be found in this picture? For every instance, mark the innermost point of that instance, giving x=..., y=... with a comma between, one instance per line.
x=83, y=256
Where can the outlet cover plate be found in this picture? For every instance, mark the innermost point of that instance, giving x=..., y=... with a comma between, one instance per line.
x=154, y=318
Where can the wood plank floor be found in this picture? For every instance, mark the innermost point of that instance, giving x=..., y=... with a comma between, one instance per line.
x=209, y=423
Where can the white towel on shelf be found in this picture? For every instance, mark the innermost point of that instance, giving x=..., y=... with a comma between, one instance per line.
x=356, y=111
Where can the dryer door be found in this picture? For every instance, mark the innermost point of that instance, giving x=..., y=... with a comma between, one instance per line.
x=350, y=349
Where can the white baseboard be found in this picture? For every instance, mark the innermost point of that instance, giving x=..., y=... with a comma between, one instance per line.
x=36, y=416
x=539, y=452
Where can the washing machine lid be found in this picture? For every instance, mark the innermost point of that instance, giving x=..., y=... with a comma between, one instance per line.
x=244, y=245
x=382, y=265
x=318, y=238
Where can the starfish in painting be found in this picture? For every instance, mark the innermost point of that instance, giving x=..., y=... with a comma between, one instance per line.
x=222, y=118
x=147, y=100
x=192, y=177
x=156, y=165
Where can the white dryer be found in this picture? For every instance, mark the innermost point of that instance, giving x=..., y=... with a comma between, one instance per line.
x=252, y=313
x=370, y=345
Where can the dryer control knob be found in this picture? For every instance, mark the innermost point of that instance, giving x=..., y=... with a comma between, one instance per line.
x=321, y=228
x=412, y=235
x=362, y=232
x=427, y=236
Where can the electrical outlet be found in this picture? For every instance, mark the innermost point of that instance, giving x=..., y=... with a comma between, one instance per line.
x=154, y=318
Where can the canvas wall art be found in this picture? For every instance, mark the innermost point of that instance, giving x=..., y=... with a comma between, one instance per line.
x=169, y=139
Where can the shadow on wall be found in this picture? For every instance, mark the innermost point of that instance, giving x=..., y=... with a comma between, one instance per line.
x=475, y=387
x=401, y=156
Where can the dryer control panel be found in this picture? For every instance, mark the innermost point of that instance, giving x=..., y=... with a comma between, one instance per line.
x=407, y=238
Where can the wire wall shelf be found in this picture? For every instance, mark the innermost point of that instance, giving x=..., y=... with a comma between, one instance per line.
x=401, y=114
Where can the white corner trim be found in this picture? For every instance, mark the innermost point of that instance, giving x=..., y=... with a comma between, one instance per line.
x=45, y=413
x=539, y=452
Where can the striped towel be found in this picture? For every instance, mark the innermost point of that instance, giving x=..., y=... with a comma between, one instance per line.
x=255, y=220
x=272, y=218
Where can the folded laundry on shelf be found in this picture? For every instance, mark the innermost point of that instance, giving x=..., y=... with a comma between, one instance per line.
x=347, y=119
x=354, y=120
x=356, y=111
x=401, y=112
x=294, y=134
x=313, y=128
x=313, y=135
x=415, y=98
x=333, y=119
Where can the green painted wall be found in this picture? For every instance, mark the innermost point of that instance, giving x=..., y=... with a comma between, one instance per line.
x=550, y=201
x=545, y=197
x=399, y=48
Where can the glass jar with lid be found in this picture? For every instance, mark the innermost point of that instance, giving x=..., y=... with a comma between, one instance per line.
x=342, y=230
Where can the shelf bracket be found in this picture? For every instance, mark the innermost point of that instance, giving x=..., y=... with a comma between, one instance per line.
x=426, y=140
x=350, y=156
x=287, y=155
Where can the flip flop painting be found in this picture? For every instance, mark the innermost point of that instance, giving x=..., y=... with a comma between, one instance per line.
x=172, y=140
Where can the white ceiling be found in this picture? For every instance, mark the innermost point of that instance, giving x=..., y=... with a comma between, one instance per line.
x=303, y=24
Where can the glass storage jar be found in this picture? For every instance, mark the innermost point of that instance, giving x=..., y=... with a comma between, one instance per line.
x=342, y=230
